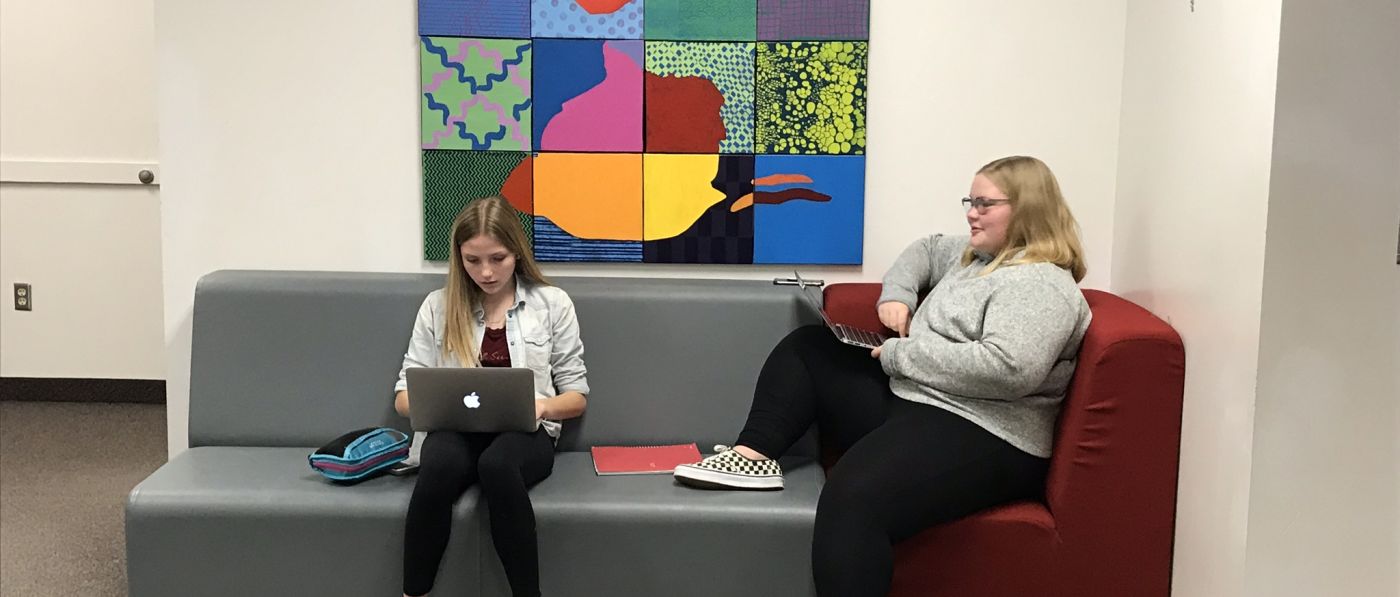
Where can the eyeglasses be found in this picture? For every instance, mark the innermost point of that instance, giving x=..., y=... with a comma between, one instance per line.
x=981, y=203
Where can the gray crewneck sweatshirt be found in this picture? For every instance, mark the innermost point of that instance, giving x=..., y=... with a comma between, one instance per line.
x=997, y=349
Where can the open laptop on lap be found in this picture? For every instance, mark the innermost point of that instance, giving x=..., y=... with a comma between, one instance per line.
x=849, y=334
x=479, y=399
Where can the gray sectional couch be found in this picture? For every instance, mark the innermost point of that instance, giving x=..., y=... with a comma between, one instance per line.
x=285, y=361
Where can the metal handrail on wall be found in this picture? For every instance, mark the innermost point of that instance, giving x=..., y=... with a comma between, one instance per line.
x=78, y=172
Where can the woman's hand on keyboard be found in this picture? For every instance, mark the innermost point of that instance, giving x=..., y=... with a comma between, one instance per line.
x=895, y=315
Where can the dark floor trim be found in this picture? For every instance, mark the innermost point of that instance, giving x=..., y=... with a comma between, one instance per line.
x=68, y=389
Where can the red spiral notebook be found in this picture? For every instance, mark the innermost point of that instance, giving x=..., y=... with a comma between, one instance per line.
x=642, y=460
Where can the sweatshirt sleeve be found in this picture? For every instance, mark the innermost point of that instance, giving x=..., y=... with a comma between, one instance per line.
x=918, y=268
x=1025, y=328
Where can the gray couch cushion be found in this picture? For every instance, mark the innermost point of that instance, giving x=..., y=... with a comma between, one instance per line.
x=298, y=358
x=675, y=360
x=648, y=535
x=234, y=521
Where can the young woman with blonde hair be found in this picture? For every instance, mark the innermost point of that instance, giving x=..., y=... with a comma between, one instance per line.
x=953, y=415
x=497, y=310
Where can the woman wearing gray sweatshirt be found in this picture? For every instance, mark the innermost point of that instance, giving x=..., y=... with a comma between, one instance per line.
x=953, y=415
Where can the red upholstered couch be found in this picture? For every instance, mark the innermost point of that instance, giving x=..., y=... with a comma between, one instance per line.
x=1105, y=527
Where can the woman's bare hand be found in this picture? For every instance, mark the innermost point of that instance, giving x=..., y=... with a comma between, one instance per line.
x=895, y=315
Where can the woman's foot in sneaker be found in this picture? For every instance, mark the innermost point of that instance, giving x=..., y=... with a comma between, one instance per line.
x=728, y=469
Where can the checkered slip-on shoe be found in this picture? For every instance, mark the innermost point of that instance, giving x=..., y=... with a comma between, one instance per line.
x=730, y=470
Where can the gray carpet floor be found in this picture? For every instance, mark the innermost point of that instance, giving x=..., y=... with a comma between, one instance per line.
x=65, y=470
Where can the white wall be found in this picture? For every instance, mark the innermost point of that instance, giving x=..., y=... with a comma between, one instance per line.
x=92, y=254
x=1193, y=190
x=1322, y=505
x=79, y=83
x=77, y=103
x=957, y=84
x=288, y=136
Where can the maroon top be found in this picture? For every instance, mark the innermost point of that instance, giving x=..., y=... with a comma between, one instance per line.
x=495, y=352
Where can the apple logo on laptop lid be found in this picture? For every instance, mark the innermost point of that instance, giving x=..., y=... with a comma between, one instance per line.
x=472, y=400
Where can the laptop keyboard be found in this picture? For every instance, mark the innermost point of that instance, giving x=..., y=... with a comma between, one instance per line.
x=860, y=335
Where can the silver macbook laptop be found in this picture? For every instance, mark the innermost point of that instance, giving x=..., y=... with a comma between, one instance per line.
x=849, y=334
x=479, y=399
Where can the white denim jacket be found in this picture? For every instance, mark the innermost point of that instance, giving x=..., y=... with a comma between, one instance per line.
x=541, y=326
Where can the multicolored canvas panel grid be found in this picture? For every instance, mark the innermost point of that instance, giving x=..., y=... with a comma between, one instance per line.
x=660, y=131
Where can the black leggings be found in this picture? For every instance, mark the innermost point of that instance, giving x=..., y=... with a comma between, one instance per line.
x=906, y=466
x=506, y=464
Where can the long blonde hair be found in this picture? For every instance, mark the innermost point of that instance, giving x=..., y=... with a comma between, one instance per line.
x=1041, y=223
x=493, y=217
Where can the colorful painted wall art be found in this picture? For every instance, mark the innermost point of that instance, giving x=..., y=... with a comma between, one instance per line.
x=660, y=131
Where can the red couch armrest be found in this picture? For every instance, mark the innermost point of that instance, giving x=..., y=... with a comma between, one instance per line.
x=1112, y=481
x=854, y=304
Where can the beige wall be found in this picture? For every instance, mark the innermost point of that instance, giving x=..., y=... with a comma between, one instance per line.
x=78, y=80
x=277, y=157
x=92, y=254
x=1193, y=191
x=77, y=106
x=1322, y=503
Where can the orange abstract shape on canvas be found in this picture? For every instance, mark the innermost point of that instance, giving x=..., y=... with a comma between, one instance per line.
x=518, y=188
x=776, y=197
x=602, y=7
x=777, y=179
x=591, y=195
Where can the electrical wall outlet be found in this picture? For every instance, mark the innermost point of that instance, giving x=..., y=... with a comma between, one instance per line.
x=24, y=297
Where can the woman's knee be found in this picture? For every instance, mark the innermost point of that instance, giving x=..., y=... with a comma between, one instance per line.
x=841, y=519
x=435, y=488
x=842, y=501
x=443, y=452
x=444, y=462
x=806, y=335
x=802, y=341
x=497, y=467
x=849, y=503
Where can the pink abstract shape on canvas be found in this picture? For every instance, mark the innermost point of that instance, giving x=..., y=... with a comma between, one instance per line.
x=607, y=117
